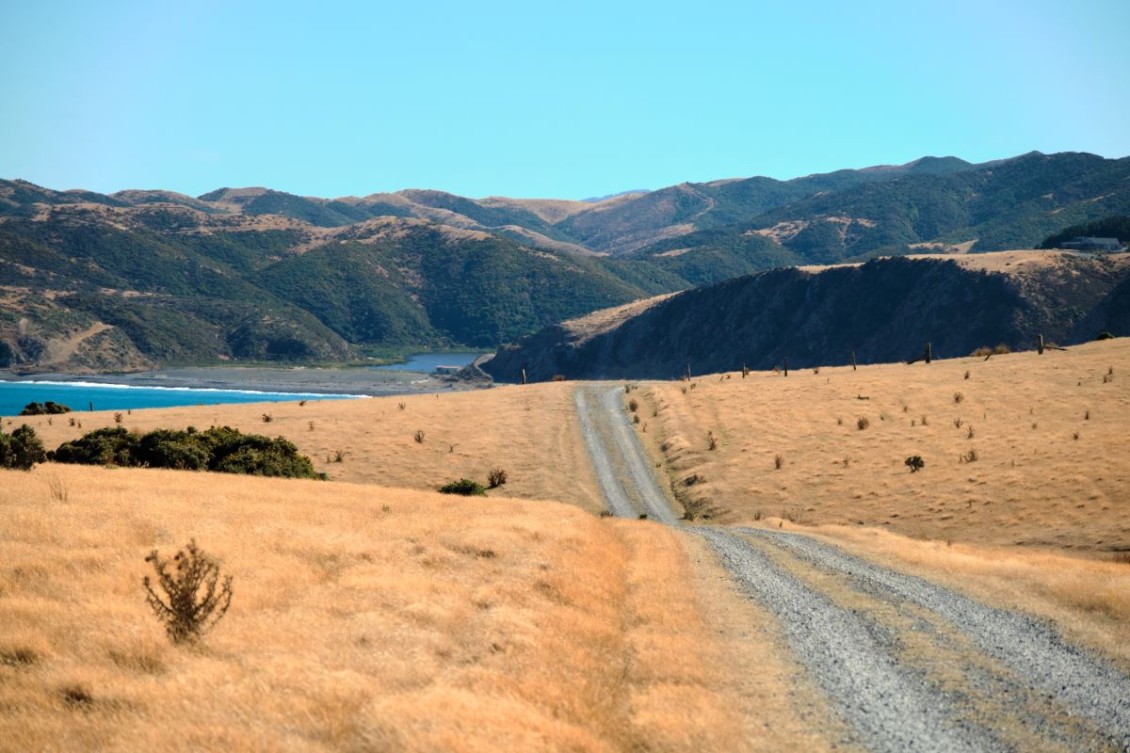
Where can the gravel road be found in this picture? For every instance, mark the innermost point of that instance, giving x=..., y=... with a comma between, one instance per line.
x=630, y=488
x=907, y=664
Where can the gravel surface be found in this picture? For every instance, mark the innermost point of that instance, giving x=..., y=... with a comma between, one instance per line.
x=621, y=464
x=890, y=707
x=1034, y=650
x=917, y=668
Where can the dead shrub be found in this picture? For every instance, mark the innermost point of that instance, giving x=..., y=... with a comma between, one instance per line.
x=496, y=478
x=195, y=598
x=418, y=435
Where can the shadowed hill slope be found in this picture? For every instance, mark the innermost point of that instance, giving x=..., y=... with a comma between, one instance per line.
x=884, y=310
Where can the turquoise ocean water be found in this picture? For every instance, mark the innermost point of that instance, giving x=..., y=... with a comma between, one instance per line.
x=80, y=396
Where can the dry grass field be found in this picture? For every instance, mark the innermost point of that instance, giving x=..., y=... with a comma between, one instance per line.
x=371, y=613
x=1019, y=450
x=362, y=619
x=531, y=433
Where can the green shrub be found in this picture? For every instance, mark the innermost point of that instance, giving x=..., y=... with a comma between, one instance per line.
x=166, y=448
x=109, y=446
x=47, y=408
x=220, y=449
x=21, y=449
x=464, y=486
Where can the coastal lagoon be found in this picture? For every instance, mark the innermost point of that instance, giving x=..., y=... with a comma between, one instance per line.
x=427, y=363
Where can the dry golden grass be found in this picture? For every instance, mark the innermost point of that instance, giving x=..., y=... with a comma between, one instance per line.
x=1048, y=433
x=447, y=623
x=530, y=432
x=363, y=618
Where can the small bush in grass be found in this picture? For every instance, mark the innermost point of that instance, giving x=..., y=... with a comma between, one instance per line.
x=496, y=478
x=465, y=487
x=195, y=598
x=418, y=435
x=915, y=463
x=711, y=441
x=958, y=397
x=633, y=405
x=970, y=457
x=863, y=422
x=779, y=462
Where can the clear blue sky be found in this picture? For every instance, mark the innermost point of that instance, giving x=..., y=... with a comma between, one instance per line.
x=529, y=99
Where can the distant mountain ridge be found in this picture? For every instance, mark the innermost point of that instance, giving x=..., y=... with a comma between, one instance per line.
x=141, y=277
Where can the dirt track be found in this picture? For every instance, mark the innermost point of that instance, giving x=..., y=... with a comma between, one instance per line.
x=905, y=663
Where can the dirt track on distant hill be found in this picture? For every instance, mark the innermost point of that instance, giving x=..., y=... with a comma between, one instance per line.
x=905, y=663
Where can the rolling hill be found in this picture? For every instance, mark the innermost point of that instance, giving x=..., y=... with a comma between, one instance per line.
x=93, y=282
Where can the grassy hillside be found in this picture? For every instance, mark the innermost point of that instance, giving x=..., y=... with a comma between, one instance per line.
x=366, y=614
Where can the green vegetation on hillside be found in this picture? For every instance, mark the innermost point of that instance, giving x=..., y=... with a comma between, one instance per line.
x=1117, y=226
